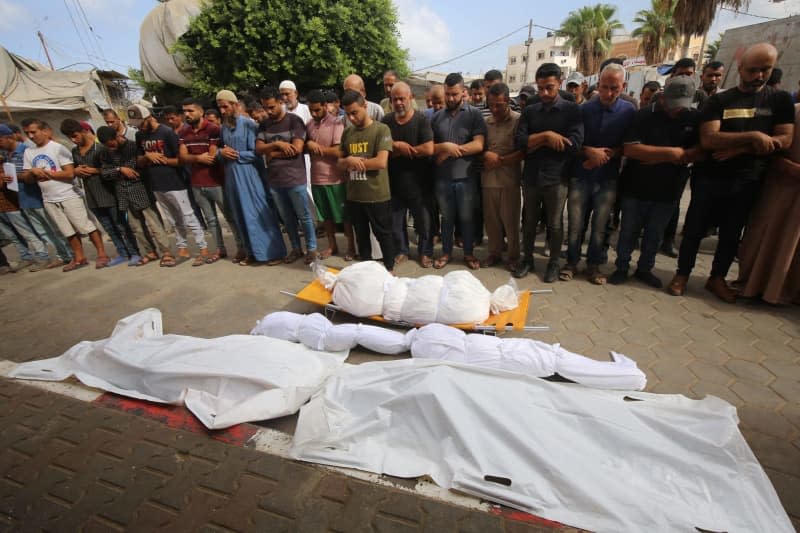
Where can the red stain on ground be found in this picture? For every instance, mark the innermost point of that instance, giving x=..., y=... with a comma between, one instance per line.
x=177, y=417
x=521, y=516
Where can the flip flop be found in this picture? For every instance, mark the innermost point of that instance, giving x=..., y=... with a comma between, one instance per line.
x=74, y=265
x=472, y=262
x=350, y=256
x=200, y=260
x=213, y=258
x=442, y=261
x=167, y=261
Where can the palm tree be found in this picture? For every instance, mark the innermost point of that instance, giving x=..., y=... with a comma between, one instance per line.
x=694, y=17
x=588, y=31
x=657, y=30
x=712, y=49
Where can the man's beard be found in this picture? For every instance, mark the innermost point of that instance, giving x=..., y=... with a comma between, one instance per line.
x=193, y=122
x=229, y=120
x=452, y=106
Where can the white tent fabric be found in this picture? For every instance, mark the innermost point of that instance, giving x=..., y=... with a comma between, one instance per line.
x=580, y=456
x=223, y=381
x=445, y=343
x=160, y=30
x=28, y=86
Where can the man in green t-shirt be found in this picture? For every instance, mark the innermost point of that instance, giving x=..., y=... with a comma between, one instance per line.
x=364, y=156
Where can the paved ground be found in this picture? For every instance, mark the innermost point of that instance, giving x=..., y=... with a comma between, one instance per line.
x=748, y=354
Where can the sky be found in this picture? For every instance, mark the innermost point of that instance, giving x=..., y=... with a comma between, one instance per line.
x=432, y=31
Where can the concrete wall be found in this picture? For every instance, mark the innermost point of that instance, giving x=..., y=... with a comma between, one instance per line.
x=783, y=33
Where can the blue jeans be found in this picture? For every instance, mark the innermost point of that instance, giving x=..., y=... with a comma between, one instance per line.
x=117, y=227
x=457, y=199
x=637, y=214
x=209, y=199
x=587, y=197
x=293, y=206
x=48, y=232
x=25, y=237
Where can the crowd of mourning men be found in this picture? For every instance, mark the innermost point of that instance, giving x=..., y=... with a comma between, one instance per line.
x=474, y=161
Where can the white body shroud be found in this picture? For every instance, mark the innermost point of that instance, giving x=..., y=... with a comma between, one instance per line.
x=445, y=343
x=580, y=456
x=223, y=381
x=367, y=289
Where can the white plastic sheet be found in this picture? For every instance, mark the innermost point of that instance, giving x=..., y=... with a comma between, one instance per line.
x=445, y=343
x=223, y=381
x=584, y=457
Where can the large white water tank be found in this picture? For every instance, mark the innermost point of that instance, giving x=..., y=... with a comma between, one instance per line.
x=161, y=28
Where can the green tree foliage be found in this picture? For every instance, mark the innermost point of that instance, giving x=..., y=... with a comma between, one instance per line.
x=657, y=30
x=712, y=48
x=694, y=17
x=243, y=44
x=588, y=31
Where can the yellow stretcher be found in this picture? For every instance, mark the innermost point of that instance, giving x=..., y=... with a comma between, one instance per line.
x=512, y=320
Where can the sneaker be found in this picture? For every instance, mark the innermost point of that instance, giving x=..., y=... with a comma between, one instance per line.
x=134, y=260
x=648, y=278
x=618, y=277
x=37, y=266
x=552, y=273
x=118, y=260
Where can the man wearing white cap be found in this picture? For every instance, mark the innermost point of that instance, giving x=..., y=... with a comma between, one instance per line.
x=244, y=190
x=288, y=91
x=576, y=85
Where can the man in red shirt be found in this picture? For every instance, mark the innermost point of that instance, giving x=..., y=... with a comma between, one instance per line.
x=198, y=141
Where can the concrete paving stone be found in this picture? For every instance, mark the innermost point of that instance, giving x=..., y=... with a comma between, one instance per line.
x=757, y=395
x=788, y=389
x=702, y=320
x=610, y=324
x=385, y=524
x=299, y=481
x=643, y=355
x=766, y=421
x=635, y=335
x=749, y=371
x=791, y=411
x=670, y=388
x=711, y=354
x=640, y=311
x=732, y=318
x=174, y=493
x=401, y=505
x=734, y=334
x=769, y=334
x=795, y=345
x=672, y=354
x=264, y=521
x=579, y=325
x=576, y=342
x=703, y=335
x=605, y=340
x=359, y=508
x=700, y=389
x=742, y=351
x=772, y=348
x=786, y=487
x=783, y=369
x=775, y=453
x=707, y=372
x=671, y=321
x=672, y=376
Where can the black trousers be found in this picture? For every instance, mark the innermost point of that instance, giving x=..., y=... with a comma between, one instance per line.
x=377, y=215
x=727, y=203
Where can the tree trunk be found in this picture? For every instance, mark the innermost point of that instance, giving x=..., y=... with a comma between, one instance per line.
x=685, y=45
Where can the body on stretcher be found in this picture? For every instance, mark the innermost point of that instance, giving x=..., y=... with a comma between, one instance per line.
x=512, y=320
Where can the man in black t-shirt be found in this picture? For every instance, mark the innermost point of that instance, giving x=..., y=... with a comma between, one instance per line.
x=410, y=173
x=660, y=143
x=742, y=127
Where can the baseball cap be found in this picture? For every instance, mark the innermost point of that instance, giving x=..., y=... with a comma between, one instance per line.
x=136, y=114
x=679, y=92
x=287, y=84
x=527, y=91
x=5, y=131
x=576, y=77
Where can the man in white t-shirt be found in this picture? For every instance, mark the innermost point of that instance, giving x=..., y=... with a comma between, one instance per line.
x=50, y=165
x=288, y=92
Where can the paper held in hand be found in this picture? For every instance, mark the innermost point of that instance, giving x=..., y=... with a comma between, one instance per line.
x=11, y=171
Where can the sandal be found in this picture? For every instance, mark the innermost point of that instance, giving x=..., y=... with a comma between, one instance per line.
x=472, y=262
x=442, y=261
x=595, y=276
x=293, y=256
x=74, y=265
x=274, y=262
x=490, y=261
x=310, y=257
x=147, y=259
x=101, y=262
x=425, y=261
x=239, y=257
x=201, y=260
x=567, y=273
x=350, y=256
x=213, y=258
x=167, y=261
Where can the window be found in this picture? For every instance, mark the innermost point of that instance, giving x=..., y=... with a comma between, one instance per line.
x=512, y=79
x=513, y=60
x=540, y=54
x=524, y=59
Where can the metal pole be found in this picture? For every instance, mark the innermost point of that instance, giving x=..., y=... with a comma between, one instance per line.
x=46, y=52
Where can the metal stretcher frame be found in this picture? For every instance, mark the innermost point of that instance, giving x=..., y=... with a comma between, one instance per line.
x=512, y=320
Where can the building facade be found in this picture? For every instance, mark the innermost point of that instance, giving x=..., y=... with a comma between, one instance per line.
x=524, y=59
